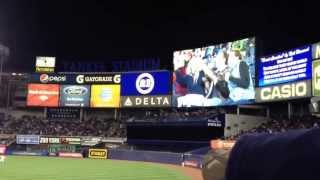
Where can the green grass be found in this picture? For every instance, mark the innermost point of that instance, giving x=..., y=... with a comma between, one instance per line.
x=46, y=168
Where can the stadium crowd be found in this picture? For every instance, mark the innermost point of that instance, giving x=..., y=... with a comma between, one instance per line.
x=275, y=126
x=36, y=125
x=173, y=115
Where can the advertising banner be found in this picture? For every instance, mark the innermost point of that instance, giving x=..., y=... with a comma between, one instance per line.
x=70, y=155
x=316, y=51
x=105, y=96
x=74, y=95
x=70, y=140
x=27, y=139
x=316, y=78
x=287, y=91
x=2, y=149
x=98, y=79
x=150, y=83
x=90, y=141
x=55, y=148
x=98, y=153
x=44, y=95
x=216, y=75
x=146, y=101
x=288, y=66
x=63, y=113
x=50, y=140
x=52, y=78
x=45, y=64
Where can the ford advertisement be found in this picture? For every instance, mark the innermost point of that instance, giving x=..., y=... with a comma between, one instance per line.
x=75, y=95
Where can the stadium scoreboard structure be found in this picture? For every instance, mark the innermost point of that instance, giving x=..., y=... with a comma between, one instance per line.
x=217, y=75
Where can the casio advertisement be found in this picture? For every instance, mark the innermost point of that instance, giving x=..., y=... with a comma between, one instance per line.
x=294, y=90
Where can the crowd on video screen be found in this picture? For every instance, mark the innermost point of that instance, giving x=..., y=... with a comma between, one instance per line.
x=215, y=75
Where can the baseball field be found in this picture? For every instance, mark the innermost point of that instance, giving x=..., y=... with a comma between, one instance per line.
x=47, y=168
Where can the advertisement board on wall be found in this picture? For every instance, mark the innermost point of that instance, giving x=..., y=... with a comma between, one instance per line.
x=105, y=96
x=146, y=101
x=63, y=113
x=98, y=153
x=98, y=79
x=316, y=51
x=44, y=95
x=27, y=139
x=52, y=78
x=146, y=83
x=45, y=64
x=216, y=75
x=74, y=95
x=316, y=78
x=285, y=67
x=286, y=91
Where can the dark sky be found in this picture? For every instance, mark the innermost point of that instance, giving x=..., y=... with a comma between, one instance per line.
x=104, y=30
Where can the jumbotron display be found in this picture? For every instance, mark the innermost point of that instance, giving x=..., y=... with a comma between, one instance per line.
x=215, y=75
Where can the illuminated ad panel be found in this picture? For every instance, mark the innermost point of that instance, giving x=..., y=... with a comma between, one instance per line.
x=74, y=95
x=217, y=75
x=286, y=75
x=146, y=89
x=105, y=96
x=44, y=95
x=288, y=66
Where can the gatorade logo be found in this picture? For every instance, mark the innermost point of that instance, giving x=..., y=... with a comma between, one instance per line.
x=80, y=79
x=145, y=83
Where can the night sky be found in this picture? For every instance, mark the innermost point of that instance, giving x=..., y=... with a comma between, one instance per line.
x=104, y=30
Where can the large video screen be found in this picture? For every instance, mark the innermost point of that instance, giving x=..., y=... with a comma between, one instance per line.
x=288, y=66
x=43, y=95
x=74, y=95
x=216, y=75
x=105, y=96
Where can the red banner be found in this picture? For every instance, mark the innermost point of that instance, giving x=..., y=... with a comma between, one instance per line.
x=45, y=95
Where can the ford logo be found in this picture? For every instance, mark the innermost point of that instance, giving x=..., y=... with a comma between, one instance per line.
x=75, y=90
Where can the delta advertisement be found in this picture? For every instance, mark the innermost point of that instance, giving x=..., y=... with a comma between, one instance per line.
x=44, y=95
x=105, y=96
x=148, y=89
x=285, y=67
x=74, y=95
x=216, y=75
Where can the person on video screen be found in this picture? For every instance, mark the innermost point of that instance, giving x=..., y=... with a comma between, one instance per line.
x=196, y=71
x=238, y=77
